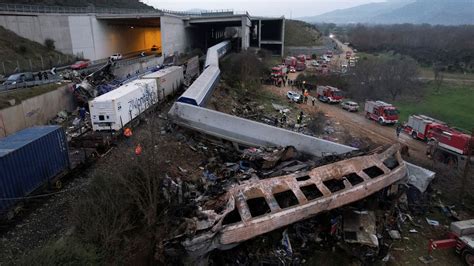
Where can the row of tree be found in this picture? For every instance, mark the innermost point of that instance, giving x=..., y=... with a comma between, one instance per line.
x=373, y=77
x=450, y=46
x=383, y=77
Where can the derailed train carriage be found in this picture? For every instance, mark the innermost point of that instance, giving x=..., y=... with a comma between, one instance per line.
x=36, y=157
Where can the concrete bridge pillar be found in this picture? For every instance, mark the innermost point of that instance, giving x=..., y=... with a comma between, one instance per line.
x=246, y=24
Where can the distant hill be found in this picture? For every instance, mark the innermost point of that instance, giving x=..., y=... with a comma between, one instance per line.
x=132, y=4
x=444, y=12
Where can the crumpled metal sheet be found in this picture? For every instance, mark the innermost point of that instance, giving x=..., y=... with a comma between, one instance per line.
x=322, y=179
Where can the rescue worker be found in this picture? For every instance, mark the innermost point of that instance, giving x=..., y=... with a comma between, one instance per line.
x=128, y=135
x=299, y=119
x=82, y=113
x=138, y=150
x=398, y=129
x=306, y=95
x=283, y=119
x=127, y=132
x=313, y=99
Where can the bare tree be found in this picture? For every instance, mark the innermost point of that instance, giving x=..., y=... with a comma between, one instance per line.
x=451, y=45
x=383, y=77
x=243, y=70
x=438, y=77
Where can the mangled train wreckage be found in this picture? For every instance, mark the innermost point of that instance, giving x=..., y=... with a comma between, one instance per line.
x=257, y=206
x=321, y=189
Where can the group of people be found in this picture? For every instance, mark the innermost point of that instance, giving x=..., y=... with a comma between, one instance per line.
x=127, y=132
x=306, y=96
x=42, y=75
x=282, y=120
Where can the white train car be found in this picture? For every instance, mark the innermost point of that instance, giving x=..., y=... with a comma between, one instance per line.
x=216, y=52
x=201, y=89
x=168, y=80
x=113, y=110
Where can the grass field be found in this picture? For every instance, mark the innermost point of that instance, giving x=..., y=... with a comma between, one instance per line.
x=427, y=73
x=454, y=104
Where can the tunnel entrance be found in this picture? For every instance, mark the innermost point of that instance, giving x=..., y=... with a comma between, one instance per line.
x=128, y=36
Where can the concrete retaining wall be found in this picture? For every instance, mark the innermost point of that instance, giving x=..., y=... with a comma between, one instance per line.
x=35, y=111
x=84, y=34
x=38, y=28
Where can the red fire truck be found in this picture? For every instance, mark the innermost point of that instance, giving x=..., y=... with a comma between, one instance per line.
x=461, y=238
x=446, y=144
x=300, y=66
x=278, y=74
x=382, y=112
x=418, y=126
x=290, y=61
x=301, y=58
x=329, y=94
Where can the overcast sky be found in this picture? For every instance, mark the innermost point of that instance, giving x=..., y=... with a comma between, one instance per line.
x=288, y=8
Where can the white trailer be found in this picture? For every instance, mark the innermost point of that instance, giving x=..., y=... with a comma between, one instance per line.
x=113, y=110
x=168, y=80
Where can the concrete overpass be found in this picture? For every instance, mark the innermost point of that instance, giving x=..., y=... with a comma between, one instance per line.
x=97, y=33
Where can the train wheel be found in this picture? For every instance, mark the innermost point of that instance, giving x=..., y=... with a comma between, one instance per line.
x=381, y=121
x=468, y=257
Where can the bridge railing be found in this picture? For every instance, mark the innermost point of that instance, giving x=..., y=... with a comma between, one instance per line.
x=18, y=8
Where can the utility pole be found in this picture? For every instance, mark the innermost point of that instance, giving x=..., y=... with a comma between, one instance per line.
x=470, y=147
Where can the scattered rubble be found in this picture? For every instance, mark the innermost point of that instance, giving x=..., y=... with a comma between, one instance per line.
x=272, y=188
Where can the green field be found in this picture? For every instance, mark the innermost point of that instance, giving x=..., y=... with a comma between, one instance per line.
x=454, y=104
x=427, y=73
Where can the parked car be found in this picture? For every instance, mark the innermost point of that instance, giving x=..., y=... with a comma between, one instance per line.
x=292, y=69
x=80, y=65
x=350, y=106
x=315, y=63
x=19, y=78
x=116, y=57
x=294, y=96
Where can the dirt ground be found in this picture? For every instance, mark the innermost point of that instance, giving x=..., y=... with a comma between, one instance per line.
x=412, y=245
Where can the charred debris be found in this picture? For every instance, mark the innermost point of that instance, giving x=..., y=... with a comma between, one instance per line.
x=276, y=205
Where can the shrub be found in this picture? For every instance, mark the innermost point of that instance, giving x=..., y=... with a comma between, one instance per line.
x=317, y=123
x=49, y=43
x=21, y=49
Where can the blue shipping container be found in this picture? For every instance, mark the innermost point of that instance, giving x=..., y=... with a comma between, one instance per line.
x=29, y=159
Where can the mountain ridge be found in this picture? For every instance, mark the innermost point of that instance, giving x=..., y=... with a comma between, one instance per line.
x=456, y=12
